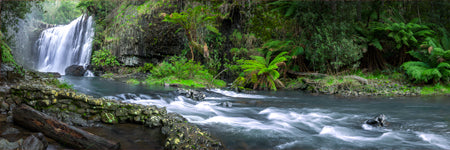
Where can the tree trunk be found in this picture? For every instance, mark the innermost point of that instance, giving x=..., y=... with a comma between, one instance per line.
x=30, y=118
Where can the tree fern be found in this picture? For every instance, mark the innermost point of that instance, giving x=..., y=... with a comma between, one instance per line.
x=262, y=71
x=432, y=66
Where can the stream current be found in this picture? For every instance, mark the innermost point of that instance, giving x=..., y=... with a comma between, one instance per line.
x=295, y=120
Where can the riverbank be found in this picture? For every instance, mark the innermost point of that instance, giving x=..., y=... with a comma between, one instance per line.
x=352, y=85
x=365, y=85
x=41, y=92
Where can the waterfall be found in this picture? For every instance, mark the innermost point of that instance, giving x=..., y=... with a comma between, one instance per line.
x=66, y=45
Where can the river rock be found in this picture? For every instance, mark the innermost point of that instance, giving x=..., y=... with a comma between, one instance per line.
x=193, y=94
x=6, y=145
x=35, y=142
x=10, y=131
x=75, y=70
x=378, y=121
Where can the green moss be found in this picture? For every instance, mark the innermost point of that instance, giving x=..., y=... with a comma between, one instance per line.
x=133, y=81
x=437, y=89
x=180, y=71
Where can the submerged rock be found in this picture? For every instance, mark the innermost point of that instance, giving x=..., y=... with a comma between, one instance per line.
x=378, y=121
x=227, y=104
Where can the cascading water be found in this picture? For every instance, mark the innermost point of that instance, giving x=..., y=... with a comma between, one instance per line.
x=66, y=45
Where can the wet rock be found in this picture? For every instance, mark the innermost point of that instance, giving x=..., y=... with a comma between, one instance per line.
x=227, y=104
x=6, y=145
x=193, y=94
x=75, y=70
x=378, y=121
x=10, y=131
x=9, y=119
x=108, y=118
x=35, y=142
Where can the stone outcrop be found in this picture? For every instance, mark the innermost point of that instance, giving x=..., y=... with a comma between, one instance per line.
x=144, y=38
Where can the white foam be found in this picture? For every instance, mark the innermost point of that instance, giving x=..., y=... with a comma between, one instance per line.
x=434, y=139
x=346, y=134
x=287, y=145
x=234, y=94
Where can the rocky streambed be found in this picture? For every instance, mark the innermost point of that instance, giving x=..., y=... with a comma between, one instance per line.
x=86, y=111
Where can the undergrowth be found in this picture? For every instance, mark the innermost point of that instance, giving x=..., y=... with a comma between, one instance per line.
x=178, y=70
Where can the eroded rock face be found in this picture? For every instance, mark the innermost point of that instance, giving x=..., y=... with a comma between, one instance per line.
x=75, y=70
x=139, y=43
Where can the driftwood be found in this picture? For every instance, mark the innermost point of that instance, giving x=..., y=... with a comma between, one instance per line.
x=307, y=74
x=32, y=119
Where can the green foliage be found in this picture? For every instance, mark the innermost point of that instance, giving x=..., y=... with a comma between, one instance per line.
x=436, y=89
x=60, y=12
x=407, y=35
x=7, y=57
x=104, y=58
x=432, y=66
x=331, y=51
x=108, y=75
x=12, y=11
x=181, y=71
x=262, y=72
x=146, y=68
x=133, y=81
x=196, y=22
x=61, y=84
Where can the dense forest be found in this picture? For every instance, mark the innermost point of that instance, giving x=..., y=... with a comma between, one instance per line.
x=256, y=44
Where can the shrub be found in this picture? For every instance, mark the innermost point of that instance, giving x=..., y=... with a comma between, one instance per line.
x=178, y=70
x=146, y=68
x=433, y=65
x=104, y=58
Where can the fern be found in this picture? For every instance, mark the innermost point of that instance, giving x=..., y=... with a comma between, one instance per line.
x=433, y=66
x=262, y=71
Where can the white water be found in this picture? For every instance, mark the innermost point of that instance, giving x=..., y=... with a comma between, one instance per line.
x=293, y=127
x=66, y=45
x=88, y=73
x=294, y=120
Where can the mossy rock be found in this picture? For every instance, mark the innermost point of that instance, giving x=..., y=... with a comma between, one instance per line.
x=108, y=118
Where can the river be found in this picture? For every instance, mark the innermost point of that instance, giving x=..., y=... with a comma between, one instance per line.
x=293, y=119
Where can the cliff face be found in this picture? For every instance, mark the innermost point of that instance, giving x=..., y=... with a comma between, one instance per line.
x=136, y=34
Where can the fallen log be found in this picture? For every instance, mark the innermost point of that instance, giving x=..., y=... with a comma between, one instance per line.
x=319, y=75
x=32, y=119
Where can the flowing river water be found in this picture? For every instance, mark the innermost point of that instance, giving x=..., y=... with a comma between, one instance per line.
x=295, y=120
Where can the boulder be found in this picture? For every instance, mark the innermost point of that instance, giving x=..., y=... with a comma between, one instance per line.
x=6, y=145
x=75, y=70
x=193, y=94
x=35, y=142
x=378, y=121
